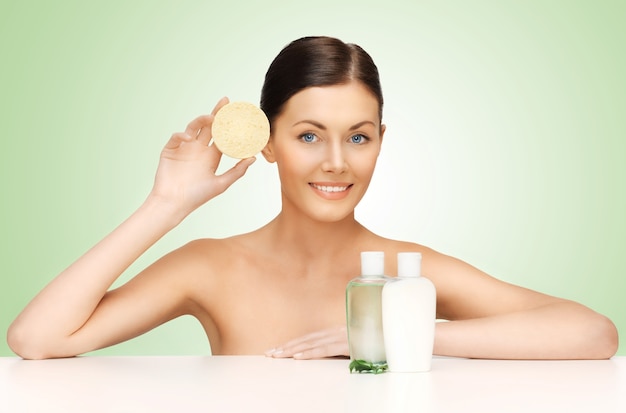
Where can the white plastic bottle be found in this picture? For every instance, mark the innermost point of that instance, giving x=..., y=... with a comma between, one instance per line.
x=409, y=312
x=364, y=310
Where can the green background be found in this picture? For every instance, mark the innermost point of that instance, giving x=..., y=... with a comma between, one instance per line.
x=505, y=144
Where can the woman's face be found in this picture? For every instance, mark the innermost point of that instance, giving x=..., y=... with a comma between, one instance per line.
x=326, y=142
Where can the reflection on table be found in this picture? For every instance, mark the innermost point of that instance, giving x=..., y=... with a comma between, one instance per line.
x=257, y=383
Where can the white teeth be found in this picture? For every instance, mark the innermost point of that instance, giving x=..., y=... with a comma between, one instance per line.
x=330, y=188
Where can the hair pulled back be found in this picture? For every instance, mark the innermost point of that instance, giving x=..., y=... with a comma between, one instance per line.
x=317, y=61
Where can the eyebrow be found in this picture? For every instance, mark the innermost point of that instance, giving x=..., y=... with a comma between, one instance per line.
x=322, y=127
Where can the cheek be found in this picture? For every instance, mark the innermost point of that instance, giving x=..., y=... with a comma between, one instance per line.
x=299, y=158
x=292, y=164
x=363, y=166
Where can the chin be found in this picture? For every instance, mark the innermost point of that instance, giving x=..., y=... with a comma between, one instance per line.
x=333, y=216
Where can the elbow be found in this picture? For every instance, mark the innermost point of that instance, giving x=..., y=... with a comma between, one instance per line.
x=16, y=341
x=603, y=338
x=19, y=343
x=24, y=344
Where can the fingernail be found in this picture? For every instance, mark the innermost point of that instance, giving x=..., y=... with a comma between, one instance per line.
x=273, y=352
x=246, y=162
x=297, y=355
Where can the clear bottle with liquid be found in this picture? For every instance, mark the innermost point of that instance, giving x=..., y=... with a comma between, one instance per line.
x=409, y=312
x=364, y=310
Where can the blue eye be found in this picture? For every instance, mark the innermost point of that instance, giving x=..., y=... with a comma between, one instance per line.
x=308, y=137
x=358, y=138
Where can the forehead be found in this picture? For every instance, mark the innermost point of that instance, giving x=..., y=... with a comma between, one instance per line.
x=351, y=101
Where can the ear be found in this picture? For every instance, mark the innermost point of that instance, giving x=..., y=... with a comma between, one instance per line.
x=383, y=128
x=268, y=151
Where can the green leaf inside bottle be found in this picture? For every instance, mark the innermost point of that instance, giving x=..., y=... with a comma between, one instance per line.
x=362, y=366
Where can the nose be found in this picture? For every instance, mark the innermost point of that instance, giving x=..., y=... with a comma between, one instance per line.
x=335, y=160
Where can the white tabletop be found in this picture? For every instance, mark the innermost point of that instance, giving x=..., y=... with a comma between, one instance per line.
x=256, y=383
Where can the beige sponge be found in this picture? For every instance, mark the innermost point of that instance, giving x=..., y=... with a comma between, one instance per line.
x=240, y=130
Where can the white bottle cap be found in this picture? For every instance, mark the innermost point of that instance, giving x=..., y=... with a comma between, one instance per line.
x=372, y=263
x=409, y=264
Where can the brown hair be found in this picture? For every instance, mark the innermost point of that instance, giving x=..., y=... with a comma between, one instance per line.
x=317, y=61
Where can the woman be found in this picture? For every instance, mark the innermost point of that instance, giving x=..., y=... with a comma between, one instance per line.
x=279, y=290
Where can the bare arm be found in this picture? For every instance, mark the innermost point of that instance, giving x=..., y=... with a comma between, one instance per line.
x=494, y=319
x=74, y=313
x=488, y=319
x=561, y=330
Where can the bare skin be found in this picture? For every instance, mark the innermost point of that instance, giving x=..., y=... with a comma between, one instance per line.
x=280, y=290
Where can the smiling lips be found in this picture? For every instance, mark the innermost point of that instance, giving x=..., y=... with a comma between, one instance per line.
x=332, y=191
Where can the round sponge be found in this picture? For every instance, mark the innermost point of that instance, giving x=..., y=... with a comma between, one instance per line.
x=240, y=130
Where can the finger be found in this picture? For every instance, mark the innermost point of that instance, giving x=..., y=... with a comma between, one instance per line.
x=222, y=102
x=319, y=339
x=233, y=174
x=206, y=133
x=194, y=127
x=176, y=139
x=317, y=335
x=215, y=156
x=329, y=350
x=312, y=350
x=289, y=349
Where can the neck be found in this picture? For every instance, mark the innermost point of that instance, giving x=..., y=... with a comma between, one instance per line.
x=307, y=238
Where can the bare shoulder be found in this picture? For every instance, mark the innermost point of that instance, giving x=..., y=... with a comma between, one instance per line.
x=179, y=272
x=435, y=265
x=216, y=263
x=209, y=258
x=463, y=290
x=392, y=247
